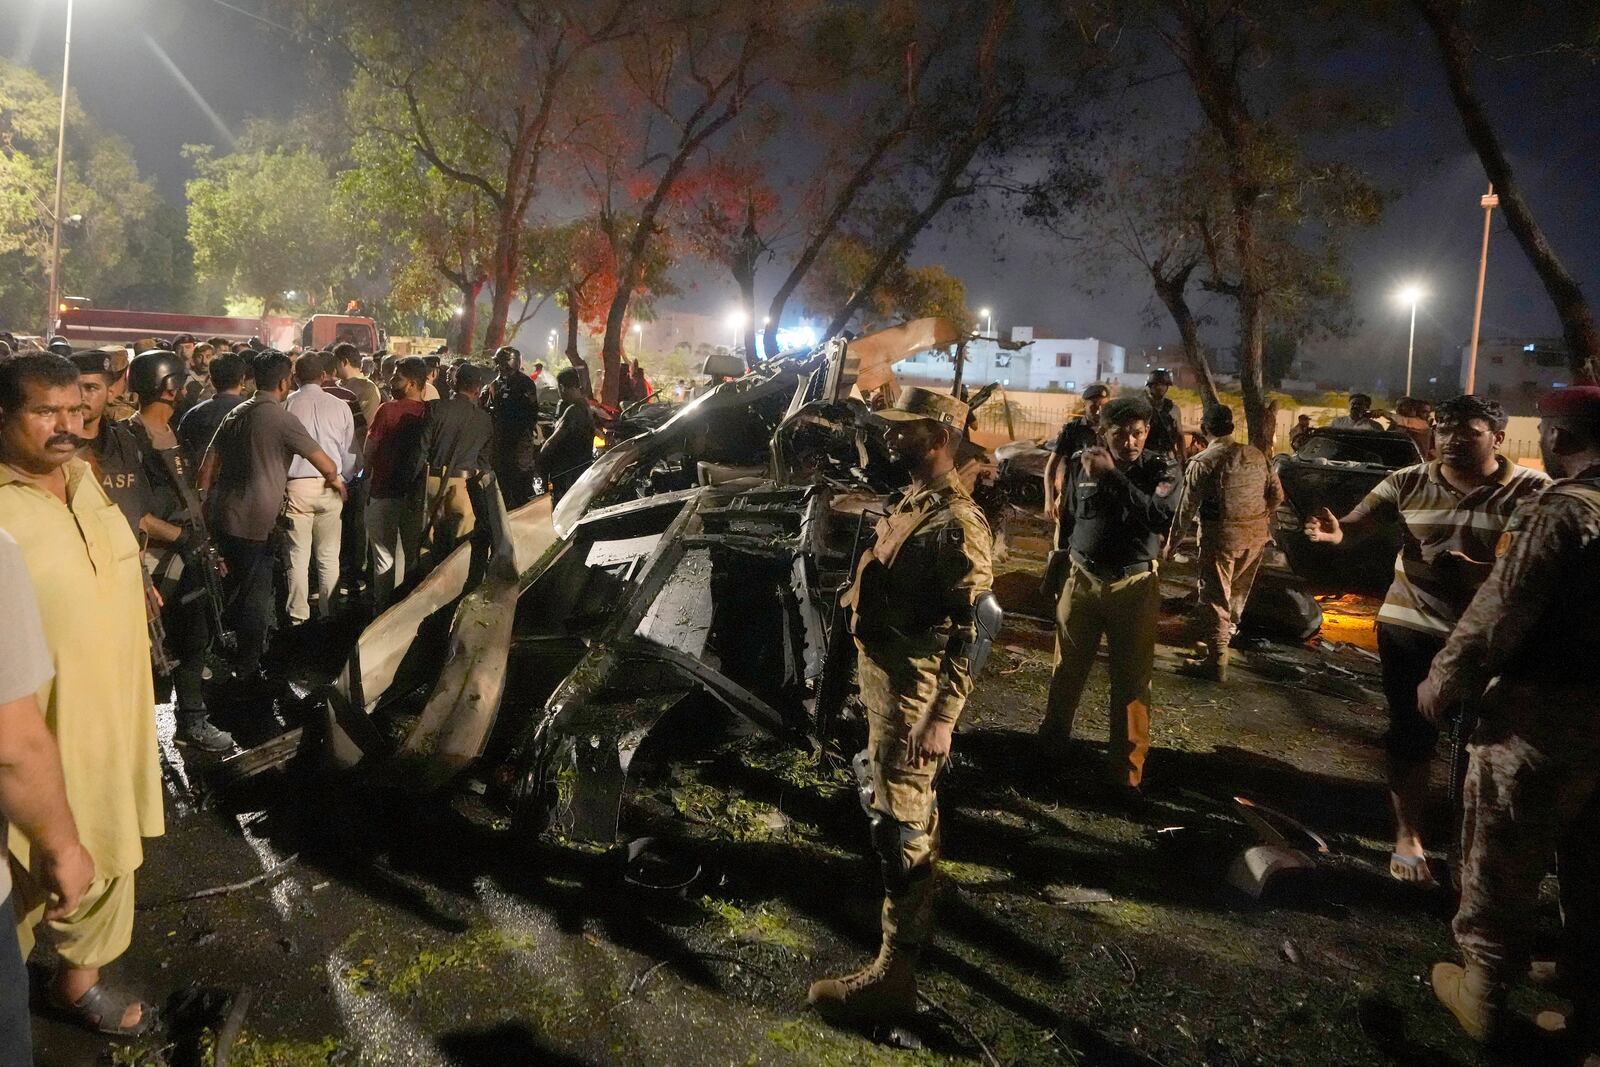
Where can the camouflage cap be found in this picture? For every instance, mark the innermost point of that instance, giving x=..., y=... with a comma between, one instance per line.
x=917, y=403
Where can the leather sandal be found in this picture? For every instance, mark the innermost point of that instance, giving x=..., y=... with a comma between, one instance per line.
x=1413, y=870
x=101, y=1010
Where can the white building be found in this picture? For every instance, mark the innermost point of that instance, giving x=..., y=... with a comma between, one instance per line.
x=1024, y=363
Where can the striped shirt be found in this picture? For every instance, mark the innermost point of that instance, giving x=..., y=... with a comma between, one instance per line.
x=1429, y=593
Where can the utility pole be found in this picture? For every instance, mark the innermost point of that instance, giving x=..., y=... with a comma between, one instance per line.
x=52, y=309
x=1489, y=202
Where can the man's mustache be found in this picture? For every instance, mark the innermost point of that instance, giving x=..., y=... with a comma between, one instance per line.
x=67, y=439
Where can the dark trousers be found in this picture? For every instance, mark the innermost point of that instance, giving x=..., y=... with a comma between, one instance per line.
x=1406, y=655
x=250, y=602
x=16, y=1035
x=353, y=540
x=186, y=617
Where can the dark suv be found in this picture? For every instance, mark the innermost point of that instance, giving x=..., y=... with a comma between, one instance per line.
x=1334, y=469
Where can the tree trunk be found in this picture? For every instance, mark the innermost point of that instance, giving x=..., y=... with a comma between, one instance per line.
x=1172, y=294
x=503, y=283
x=1577, y=317
x=744, y=274
x=643, y=231
x=574, y=357
x=863, y=176
x=467, y=328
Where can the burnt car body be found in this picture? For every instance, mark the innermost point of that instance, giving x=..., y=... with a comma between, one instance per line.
x=693, y=571
x=1335, y=469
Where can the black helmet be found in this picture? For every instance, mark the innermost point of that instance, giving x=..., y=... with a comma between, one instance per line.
x=152, y=373
x=1161, y=375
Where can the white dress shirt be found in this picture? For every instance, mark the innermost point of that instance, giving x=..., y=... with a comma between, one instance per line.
x=328, y=420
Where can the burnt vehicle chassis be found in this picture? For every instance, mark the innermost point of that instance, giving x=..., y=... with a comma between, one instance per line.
x=693, y=572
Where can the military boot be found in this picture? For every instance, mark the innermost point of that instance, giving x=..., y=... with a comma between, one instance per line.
x=1473, y=996
x=1210, y=667
x=885, y=990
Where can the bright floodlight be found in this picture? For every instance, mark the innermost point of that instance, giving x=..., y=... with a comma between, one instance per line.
x=736, y=319
x=1410, y=294
x=983, y=313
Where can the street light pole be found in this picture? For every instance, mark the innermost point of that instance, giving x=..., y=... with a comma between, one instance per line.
x=61, y=157
x=1411, y=345
x=1489, y=202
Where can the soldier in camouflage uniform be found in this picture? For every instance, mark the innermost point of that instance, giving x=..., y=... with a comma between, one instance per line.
x=1234, y=490
x=1533, y=780
x=922, y=615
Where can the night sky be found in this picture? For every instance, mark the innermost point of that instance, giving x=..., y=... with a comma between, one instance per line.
x=1431, y=231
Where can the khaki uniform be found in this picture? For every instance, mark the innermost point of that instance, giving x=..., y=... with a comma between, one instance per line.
x=1113, y=525
x=100, y=705
x=912, y=599
x=1533, y=780
x=1234, y=490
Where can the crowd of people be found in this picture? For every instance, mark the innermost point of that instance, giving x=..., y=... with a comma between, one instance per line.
x=160, y=517
x=145, y=504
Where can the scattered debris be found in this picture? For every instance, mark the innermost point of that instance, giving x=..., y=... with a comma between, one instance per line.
x=1290, y=951
x=231, y=887
x=228, y=1033
x=1075, y=895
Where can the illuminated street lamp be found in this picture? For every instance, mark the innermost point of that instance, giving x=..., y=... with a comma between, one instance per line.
x=735, y=323
x=52, y=308
x=1411, y=294
x=988, y=321
x=638, y=339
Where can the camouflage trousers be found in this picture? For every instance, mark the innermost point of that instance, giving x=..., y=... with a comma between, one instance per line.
x=1226, y=576
x=1531, y=795
x=896, y=689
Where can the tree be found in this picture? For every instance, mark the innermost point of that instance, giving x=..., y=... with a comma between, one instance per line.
x=991, y=126
x=432, y=237
x=1271, y=215
x=866, y=103
x=1447, y=20
x=901, y=293
x=265, y=220
x=575, y=263
x=483, y=93
x=724, y=221
x=161, y=275
x=673, y=90
x=1146, y=212
x=101, y=185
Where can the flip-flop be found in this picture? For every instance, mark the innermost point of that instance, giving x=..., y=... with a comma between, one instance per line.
x=1413, y=870
x=101, y=1010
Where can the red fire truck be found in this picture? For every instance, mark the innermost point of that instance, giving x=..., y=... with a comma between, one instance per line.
x=89, y=327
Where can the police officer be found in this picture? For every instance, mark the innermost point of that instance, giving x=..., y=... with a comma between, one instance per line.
x=569, y=450
x=157, y=379
x=1166, y=435
x=109, y=446
x=921, y=613
x=456, y=448
x=513, y=403
x=1116, y=509
x=1234, y=490
x=1077, y=433
x=1533, y=779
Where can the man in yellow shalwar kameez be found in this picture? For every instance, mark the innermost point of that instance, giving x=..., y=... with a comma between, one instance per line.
x=84, y=561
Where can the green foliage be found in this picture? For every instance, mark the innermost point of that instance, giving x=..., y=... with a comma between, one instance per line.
x=906, y=292
x=265, y=220
x=101, y=184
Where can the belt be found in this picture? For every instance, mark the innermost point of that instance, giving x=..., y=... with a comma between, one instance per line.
x=454, y=472
x=1108, y=573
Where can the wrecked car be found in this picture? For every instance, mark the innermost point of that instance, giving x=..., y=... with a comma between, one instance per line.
x=692, y=574
x=1335, y=469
